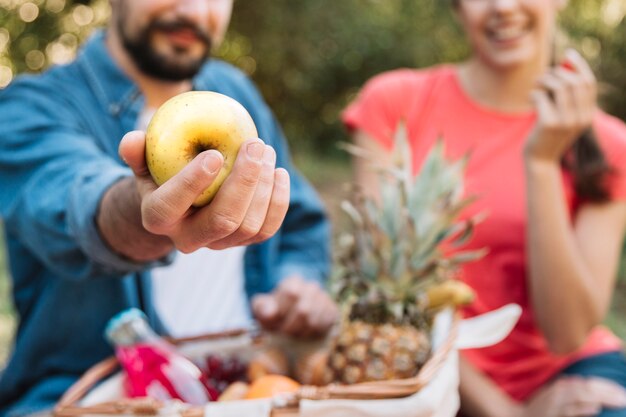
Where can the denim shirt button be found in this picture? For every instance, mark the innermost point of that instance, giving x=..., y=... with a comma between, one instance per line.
x=114, y=109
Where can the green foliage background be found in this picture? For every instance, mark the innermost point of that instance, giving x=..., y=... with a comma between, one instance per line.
x=310, y=57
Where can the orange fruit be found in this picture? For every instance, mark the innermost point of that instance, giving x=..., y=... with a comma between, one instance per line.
x=268, y=386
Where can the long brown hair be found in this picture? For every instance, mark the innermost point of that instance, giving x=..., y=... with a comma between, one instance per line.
x=589, y=168
x=585, y=161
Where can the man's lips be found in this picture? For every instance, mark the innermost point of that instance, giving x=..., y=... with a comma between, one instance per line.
x=184, y=37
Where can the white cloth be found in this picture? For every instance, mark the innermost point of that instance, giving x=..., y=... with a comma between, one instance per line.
x=203, y=291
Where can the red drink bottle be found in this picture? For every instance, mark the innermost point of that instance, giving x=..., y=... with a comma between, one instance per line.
x=152, y=365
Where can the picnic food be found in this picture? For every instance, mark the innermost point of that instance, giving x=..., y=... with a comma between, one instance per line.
x=234, y=392
x=270, y=360
x=268, y=386
x=220, y=371
x=193, y=122
x=392, y=273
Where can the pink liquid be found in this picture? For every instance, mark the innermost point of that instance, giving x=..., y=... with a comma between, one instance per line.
x=159, y=372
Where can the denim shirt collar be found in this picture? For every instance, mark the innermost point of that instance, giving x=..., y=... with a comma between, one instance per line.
x=115, y=90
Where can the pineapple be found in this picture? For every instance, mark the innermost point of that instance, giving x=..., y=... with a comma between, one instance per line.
x=392, y=274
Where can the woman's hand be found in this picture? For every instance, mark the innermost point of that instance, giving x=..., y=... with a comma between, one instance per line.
x=574, y=397
x=566, y=102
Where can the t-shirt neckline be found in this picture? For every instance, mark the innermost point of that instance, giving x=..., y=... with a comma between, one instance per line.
x=489, y=111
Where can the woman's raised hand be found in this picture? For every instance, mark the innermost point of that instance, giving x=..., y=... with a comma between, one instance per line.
x=565, y=100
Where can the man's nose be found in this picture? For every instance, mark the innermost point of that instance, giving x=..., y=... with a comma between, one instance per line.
x=195, y=10
x=504, y=5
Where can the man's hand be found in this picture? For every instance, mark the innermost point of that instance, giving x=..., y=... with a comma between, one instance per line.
x=574, y=397
x=249, y=207
x=296, y=308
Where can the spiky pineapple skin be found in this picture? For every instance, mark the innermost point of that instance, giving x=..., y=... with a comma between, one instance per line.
x=365, y=352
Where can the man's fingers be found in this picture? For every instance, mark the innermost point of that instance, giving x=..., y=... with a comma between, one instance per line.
x=172, y=200
x=265, y=310
x=277, y=210
x=254, y=219
x=132, y=150
x=306, y=318
x=225, y=214
x=296, y=321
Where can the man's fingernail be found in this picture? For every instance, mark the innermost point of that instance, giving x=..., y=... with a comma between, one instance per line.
x=212, y=162
x=255, y=150
x=269, y=156
x=282, y=177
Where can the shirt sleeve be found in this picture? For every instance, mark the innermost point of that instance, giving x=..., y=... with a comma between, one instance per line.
x=611, y=134
x=384, y=102
x=53, y=177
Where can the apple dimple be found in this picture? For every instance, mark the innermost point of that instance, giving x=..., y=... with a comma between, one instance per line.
x=198, y=146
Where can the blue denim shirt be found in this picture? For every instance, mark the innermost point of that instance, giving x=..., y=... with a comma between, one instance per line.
x=59, y=134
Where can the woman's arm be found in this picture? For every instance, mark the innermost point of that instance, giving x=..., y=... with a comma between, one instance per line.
x=571, y=267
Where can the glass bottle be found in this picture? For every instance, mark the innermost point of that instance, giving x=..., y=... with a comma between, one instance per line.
x=152, y=365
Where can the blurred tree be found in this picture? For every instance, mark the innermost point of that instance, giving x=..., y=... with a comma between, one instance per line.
x=311, y=57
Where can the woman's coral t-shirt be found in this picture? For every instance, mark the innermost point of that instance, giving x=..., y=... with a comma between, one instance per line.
x=433, y=104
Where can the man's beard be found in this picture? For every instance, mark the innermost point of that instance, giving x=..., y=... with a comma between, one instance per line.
x=165, y=67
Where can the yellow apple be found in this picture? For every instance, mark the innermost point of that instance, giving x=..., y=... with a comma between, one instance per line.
x=193, y=122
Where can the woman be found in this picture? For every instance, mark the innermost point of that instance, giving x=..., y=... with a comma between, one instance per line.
x=555, y=196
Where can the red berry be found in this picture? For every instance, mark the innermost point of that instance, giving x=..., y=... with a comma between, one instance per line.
x=565, y=64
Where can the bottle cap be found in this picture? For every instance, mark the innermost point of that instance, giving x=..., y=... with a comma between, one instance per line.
x=123, y=327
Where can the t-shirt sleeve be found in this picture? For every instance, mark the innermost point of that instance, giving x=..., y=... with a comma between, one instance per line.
x=611, y=134
x=383, y=102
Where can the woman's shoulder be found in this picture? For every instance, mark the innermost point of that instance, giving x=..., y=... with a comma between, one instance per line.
x=388, y=98
x=611, y=132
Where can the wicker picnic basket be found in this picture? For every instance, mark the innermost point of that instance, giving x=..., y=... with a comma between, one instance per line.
x=71, y=405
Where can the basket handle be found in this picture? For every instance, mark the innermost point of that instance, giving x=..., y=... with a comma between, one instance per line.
x=77, y=391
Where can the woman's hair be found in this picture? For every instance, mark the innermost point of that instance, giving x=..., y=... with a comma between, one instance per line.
x=589, y=168
x=586, y=162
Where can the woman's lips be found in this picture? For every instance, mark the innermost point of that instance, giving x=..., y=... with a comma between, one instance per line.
x=507, y=36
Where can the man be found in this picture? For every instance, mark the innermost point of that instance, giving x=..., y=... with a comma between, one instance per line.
x=84, y=231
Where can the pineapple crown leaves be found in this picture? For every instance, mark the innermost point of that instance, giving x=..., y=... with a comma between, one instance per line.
x=394, y=251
